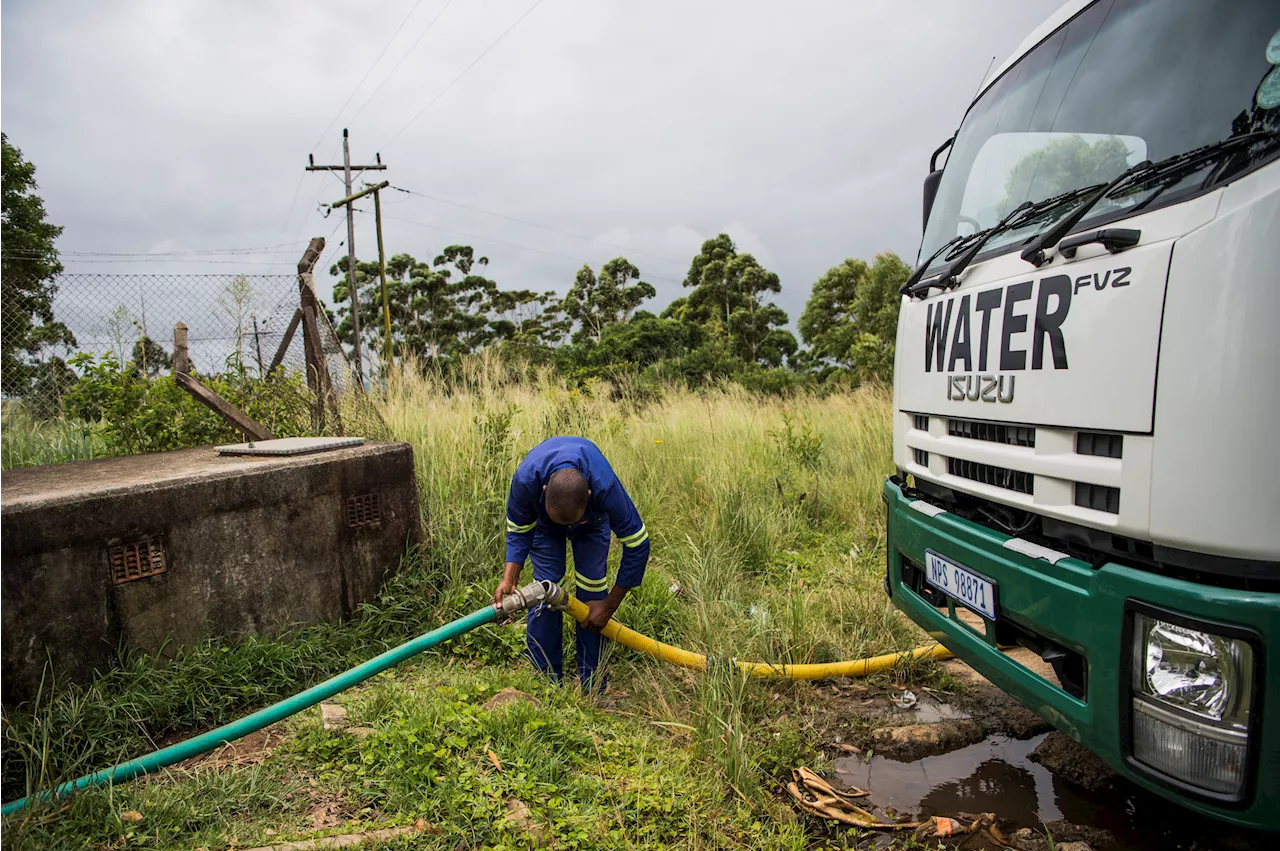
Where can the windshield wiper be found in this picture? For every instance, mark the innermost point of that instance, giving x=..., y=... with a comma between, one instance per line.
x=1017, y=217
x=972, y=244
x=1193, y=160
x=918, y=273
x=1146, y=170
x=947, y=277
x=1034, y=253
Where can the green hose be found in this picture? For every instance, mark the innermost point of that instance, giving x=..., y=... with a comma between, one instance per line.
x=517, y=601
x=263, y=717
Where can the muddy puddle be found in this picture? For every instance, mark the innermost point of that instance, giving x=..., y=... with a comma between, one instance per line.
x=923, y=710
x=997, y=775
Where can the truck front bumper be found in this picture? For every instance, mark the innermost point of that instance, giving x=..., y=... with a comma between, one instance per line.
x=1085, y=611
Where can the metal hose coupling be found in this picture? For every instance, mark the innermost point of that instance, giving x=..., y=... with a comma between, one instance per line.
x=531, y=595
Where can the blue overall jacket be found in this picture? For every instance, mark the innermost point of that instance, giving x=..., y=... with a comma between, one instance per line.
x=526, y=508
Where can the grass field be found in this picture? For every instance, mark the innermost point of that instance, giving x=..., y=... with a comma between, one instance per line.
x=27, y=442
x=767, y=538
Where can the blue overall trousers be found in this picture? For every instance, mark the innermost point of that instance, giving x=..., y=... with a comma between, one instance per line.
x=545, y=636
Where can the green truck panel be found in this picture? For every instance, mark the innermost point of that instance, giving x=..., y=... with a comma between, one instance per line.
x=1083, y=609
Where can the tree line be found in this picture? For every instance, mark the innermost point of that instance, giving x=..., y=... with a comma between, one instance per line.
x=727, y=326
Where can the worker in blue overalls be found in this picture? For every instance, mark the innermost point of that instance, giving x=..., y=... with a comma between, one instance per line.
x=565, y=490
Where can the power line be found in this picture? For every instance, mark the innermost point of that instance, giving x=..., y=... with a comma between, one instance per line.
x=191, y=251
x=188, y=252
x=334, y=252
x=392, y=73
x=94, y=262
x=216, y=276
x=242, y=336
x=626, y=248
x=480, y=238
x=297, y=190
x=314, y=202
x=382, y=53
x=473, y=64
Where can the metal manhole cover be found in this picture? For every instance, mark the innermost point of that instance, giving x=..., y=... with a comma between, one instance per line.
x=290, y=446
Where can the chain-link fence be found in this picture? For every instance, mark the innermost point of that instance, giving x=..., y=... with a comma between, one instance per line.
x=238, y=328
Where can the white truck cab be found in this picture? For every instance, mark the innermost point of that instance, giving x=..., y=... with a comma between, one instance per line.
x=1086, y=387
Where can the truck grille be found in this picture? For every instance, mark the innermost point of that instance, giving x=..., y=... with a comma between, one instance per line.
x=993, y=432
x=1081, y=469
x=1098, y=497
x=1102, y=445
x=1000, y=477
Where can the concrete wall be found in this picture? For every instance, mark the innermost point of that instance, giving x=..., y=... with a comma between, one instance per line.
x=253, y=545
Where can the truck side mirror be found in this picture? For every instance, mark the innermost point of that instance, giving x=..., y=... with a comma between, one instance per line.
x=931, y=182
x=933, y=179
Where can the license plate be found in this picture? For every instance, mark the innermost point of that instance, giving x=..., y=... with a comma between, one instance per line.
x=974, y=591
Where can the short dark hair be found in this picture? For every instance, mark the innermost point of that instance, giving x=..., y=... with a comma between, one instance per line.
x=567, y=493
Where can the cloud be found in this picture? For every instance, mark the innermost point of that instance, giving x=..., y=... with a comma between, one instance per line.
x=802, y=130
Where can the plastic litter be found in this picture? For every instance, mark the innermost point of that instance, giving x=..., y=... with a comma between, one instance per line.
x=906, y=700
x=975, y=833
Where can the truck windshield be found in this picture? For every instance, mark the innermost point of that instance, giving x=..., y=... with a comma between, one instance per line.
x=1122, y=82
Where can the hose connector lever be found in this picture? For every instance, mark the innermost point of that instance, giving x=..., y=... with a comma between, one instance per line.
x=531, y=595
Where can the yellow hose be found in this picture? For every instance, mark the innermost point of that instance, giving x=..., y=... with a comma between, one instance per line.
x=688, y=659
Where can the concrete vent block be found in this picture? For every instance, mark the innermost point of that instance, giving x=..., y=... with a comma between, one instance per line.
x=364, y=510
x=137, y=560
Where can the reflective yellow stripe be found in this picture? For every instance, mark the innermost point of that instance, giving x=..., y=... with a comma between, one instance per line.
x=637, y=542
x=634, y=538
x=514, y=527
x=588, y=584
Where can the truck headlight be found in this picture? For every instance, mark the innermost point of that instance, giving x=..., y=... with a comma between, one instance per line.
x=1199, y=672
x=1192, y=690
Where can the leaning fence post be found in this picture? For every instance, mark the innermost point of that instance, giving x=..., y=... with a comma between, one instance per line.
x=181, y=359
x=286, y=342
x=230, y=414
x=317, y=368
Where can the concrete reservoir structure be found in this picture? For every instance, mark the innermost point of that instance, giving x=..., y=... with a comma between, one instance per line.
x=149, y=552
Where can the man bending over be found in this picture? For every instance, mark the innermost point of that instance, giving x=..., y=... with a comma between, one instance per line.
x=565, y=491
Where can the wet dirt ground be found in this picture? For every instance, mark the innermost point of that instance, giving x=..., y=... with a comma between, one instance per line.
x=976, y=750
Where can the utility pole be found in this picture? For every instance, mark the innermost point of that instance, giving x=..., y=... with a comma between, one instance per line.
x=387, y=345
x=347, y=168
x=375, y=190
x=352, y=284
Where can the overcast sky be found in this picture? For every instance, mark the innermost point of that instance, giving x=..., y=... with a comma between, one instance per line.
x=801, y=129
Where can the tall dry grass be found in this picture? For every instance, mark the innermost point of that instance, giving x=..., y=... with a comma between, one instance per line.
x=767, y=535
x=764, y=512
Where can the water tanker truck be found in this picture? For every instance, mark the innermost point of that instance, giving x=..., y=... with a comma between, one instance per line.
x=1087, y=388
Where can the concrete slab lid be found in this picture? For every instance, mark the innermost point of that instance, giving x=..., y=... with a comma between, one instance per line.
x=289, y=446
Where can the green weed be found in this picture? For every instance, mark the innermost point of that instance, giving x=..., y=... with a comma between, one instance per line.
x=767, y=544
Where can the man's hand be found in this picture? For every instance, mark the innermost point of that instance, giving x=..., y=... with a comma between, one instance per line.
x=510, y=578
x=600, y=611
x=505, y=587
